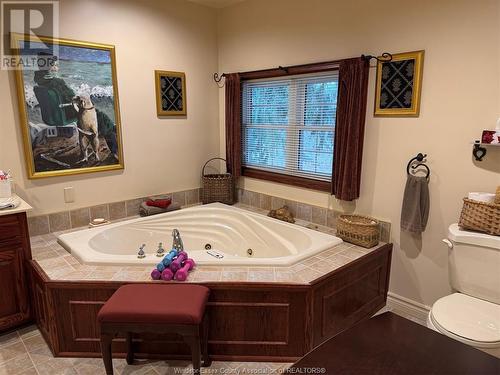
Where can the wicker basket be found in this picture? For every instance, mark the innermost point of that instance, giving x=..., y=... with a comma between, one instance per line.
x=480, y=217
x=497, y=196
x=359, y=230
x=217, y=187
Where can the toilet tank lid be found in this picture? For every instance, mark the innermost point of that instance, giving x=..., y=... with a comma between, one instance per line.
x=472, y=238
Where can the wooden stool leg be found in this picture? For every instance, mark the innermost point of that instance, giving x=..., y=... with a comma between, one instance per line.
x=106, y=340
x=204, y=342
x=130, y=351
x=193, y=340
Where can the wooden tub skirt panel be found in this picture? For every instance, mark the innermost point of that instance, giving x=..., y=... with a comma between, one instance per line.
x=248, y=321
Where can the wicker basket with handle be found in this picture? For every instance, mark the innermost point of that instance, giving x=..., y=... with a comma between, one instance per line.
x=359, y=230
x=480, y=217
x=217, y=187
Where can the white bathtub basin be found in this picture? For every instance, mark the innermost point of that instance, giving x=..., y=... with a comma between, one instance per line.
x=230, y=232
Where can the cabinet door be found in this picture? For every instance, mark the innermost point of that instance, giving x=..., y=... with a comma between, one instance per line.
x=14, y=309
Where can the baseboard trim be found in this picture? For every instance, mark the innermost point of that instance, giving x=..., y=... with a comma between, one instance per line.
x=408, y=308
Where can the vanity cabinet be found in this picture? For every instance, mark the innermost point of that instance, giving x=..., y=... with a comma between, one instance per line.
x=15, y=253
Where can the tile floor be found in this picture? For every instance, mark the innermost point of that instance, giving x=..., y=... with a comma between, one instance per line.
x=24, y=352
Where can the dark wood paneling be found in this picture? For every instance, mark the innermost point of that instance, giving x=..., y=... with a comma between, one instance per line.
x=350, y=295
x=40, y=303
x=258, y=320
x=14, y=251
x=78, y=332
x=248, y=321
x=10, y=229
x=12, y=299
x=273, y=321
x=82, y=331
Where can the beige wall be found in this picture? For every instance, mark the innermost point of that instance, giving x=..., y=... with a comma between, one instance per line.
x=161, y=155
x=460, y=98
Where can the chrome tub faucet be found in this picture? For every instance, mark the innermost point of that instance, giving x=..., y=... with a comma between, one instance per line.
x=161, y=251
x=141, y=254
x=177, y=241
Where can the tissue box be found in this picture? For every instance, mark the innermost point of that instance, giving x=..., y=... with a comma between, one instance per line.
x=5, y=188
x=490, y=137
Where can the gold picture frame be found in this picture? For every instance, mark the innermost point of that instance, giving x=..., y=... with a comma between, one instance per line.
x=170, y=93
x=68, y=133
x=399, y=85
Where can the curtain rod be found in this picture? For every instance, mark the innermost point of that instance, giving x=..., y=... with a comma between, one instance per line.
x=386, y=56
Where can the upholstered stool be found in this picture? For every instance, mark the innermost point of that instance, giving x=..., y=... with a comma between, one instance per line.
x=156, y=308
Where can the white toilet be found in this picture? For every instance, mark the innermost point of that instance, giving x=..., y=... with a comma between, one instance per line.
x=471, y=314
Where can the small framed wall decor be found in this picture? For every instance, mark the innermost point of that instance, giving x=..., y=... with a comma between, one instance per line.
x=399, y=84
x=170, y=93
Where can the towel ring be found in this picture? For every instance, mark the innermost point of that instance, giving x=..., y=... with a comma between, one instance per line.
x=419, y=158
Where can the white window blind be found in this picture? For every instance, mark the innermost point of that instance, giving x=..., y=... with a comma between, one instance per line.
x=288, y=124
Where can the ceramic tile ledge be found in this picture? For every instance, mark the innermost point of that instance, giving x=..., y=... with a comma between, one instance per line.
x=114, y=211
x=301, y=211
x=58, y=264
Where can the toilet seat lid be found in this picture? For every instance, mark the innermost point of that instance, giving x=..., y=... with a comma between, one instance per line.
x=468, y=317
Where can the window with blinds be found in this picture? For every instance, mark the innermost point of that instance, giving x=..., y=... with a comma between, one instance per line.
x=288, y=124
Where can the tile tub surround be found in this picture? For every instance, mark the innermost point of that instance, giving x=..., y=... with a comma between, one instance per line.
x=302, y=211
x=240, y=297
x=25, y=352
x=77, y=218
x=58, y=264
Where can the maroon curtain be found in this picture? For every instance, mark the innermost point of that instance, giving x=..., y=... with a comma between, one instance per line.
x=233, y=123
x=350, y=128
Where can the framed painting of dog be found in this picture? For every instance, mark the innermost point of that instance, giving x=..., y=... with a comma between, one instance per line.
x=170, y=93
x=68, y=104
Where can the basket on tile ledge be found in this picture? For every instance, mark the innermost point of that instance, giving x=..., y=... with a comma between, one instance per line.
x=480, y=217
x=217, y=187
x=359, y=230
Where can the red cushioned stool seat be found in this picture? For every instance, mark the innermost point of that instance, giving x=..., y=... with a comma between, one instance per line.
x=156, y=308
x=156, y=303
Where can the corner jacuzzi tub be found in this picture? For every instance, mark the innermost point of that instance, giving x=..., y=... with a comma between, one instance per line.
x=213, y=234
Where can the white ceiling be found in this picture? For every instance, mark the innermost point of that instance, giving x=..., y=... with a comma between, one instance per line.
x=216, y=3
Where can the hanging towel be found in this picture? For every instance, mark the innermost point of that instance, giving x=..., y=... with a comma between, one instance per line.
x=415, y=210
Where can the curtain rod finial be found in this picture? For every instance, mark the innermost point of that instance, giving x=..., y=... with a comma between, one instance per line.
x=218, y=78
x=386, y=56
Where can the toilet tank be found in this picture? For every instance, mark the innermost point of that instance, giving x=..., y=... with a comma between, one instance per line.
x=474, y=263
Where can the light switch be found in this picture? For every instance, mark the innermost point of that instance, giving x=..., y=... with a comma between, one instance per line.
x=69, y=194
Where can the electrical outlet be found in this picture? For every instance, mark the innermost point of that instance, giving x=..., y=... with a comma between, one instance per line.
x=69, y=194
